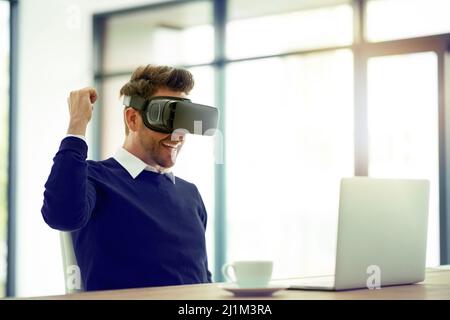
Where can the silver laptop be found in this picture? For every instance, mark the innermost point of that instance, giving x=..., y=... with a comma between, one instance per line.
x=382, y=235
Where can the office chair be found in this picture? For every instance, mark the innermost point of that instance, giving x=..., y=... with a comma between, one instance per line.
x=69, y=259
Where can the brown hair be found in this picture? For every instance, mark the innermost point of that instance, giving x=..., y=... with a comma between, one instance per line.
x=146, y=80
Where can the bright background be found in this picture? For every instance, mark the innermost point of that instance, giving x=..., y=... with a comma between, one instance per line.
x=289, y=120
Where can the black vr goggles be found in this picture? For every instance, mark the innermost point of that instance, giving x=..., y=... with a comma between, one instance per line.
x=167, y=114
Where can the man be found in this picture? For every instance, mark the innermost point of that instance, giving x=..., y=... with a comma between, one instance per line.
x=133, y=223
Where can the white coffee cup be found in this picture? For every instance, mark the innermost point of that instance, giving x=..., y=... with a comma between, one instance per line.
x=250, y=274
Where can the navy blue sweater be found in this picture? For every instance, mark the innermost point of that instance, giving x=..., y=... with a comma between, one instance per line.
x=127, y=232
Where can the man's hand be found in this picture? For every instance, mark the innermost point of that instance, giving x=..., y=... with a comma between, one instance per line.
x=80, y=109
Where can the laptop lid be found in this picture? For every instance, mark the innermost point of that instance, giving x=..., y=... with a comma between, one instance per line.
x=382, y=232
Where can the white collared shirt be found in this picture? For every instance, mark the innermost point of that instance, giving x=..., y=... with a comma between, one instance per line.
x=132, y=164
x=135, y=166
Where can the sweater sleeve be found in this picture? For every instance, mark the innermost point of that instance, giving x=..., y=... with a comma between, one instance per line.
x=204, y=218
x=69, y=196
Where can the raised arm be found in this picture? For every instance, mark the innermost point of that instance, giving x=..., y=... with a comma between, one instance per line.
x=69, y=196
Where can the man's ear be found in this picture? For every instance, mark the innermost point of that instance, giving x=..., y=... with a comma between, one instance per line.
x=132, y=119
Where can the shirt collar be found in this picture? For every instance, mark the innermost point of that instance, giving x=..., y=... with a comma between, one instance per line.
x=134, y=166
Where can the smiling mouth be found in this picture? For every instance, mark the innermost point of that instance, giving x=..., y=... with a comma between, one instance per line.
x=170, y=145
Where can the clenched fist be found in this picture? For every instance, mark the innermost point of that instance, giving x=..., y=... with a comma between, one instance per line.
x=80, y=109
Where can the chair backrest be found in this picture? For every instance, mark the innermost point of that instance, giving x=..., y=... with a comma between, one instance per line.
x=70, y=264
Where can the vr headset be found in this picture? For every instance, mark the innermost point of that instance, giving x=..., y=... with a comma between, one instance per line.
x=167, y=114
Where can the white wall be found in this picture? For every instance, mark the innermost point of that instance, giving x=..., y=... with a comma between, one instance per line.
x=55, y=57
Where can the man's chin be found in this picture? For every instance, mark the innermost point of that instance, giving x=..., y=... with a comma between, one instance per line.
x=167, y=166
x=167, y=163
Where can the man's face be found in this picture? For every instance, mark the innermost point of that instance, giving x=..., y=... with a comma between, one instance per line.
x=161, y=148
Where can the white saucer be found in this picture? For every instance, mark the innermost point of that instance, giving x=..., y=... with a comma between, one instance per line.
x=248, y=292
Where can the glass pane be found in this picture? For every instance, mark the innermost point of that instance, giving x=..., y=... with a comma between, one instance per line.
x=403, y=126
x=180, y=35
x=113, y=126
x=287, y=31
x=196, y=160
x=4, y=136
x=240, y=9
x=398, y=19
x=288, y=146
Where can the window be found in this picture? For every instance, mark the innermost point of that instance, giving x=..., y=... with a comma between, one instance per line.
x=403, y=126
x=4, y=137
x=172, y=35
x=288, y=143
x=289, y=146
x=400, y=19
x=288, y=31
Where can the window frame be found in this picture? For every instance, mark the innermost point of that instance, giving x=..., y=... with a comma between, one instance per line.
x=12, y=149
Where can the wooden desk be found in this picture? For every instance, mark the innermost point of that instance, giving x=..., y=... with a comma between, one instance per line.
x=435, y=286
